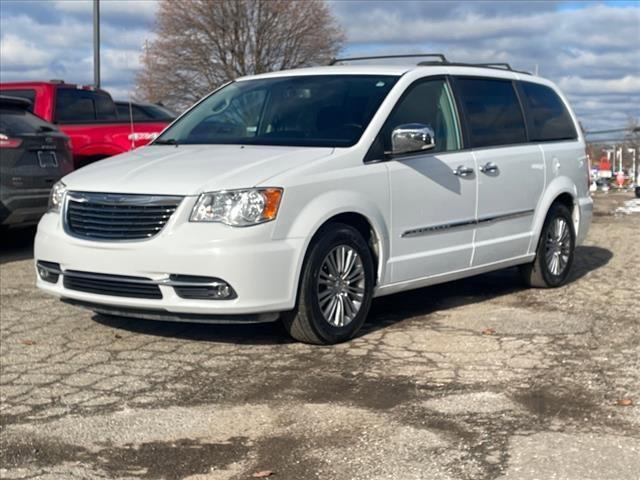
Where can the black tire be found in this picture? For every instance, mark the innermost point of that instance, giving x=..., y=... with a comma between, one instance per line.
x=637, y=192
x=306, y=322
x=539, y=273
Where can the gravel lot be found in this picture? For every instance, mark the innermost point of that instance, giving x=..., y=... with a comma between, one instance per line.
x=474, y=379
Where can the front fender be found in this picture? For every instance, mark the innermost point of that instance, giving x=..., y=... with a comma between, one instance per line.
x=325, y=206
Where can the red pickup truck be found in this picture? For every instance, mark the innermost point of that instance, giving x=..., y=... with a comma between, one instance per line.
x=87, y=115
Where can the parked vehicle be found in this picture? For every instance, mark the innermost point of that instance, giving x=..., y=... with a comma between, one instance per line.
x=301, y=195
x=33, y=156
x=144, y=112
x=88, y=116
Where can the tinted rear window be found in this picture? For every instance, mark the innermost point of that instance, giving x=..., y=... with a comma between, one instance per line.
x=74, y=106
x=18, y=122
x=493, y=113
x=547, y=115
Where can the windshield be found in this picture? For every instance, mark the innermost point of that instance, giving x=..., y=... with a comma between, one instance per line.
x=317, y=111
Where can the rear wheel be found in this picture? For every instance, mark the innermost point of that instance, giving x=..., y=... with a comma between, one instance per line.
x=554, y=255
x=336, y=288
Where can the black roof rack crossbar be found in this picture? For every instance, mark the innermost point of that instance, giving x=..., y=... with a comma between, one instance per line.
x=440, y=56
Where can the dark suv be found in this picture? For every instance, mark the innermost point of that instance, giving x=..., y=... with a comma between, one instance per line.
x=33, y=156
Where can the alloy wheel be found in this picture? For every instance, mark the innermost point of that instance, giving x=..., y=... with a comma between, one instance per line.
x=558, y=246
x=341, y=285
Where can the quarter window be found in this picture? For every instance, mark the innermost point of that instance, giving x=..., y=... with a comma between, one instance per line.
x=547, y=115
x=493, y=112
x=429, y=103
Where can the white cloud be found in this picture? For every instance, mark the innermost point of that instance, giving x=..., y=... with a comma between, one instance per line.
x=629, y=84
x=18, y=52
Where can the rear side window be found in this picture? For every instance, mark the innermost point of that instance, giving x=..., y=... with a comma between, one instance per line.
x=74, y=106
x=19, y=122
x=547, y=115
x=492, y=111
x=26, y=94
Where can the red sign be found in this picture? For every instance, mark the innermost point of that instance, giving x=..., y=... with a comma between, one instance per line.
x=605, y=164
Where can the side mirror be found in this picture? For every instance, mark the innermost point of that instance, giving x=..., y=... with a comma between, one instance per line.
x=412, y=137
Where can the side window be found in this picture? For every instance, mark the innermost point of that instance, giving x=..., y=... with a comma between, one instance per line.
x=547, y=115
x=493, y=113
x=105, y=107
x=74, y=106
x=430, y=103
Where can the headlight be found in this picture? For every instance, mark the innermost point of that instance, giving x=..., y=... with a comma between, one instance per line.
x=56, y=197
x=238, y=208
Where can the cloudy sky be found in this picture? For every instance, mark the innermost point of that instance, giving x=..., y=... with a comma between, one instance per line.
x=590, y=48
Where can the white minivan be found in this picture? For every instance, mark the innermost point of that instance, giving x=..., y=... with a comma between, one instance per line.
x=301, y=195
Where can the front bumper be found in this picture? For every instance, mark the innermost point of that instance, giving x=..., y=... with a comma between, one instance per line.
x=263, y=272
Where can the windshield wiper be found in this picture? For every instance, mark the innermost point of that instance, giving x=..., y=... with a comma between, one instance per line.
x=168, y=141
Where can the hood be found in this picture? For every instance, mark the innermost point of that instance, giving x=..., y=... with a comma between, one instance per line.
x=190, y=169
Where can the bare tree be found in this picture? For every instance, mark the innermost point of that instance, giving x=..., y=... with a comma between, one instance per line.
x=201, y=44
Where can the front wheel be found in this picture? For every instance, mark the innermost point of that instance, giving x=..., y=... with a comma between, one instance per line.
x=554, y=255
x=336, y=288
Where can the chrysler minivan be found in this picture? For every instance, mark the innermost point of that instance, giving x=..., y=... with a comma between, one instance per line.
x=301, y=195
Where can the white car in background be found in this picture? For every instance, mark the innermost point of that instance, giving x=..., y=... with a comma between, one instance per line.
x=302, y=195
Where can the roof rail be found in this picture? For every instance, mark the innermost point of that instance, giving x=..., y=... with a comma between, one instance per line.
x=496, y=66
x=440, y=56
x=440, y=60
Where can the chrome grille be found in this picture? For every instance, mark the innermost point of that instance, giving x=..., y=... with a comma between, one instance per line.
x=103, y=216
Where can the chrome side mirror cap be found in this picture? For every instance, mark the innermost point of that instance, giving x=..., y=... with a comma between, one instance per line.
x=412, y=137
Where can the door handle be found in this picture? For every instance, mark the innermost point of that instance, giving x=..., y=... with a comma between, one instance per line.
x=489, y=167
x=463, y=171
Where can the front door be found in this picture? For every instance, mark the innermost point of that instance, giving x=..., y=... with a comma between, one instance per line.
x=433, y=194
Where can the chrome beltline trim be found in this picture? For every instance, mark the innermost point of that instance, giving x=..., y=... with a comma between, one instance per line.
x=415, y=232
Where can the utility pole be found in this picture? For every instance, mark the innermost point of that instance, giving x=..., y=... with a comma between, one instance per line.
x=96, y=43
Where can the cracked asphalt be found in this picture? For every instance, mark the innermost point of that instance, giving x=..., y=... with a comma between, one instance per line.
x=474, y=379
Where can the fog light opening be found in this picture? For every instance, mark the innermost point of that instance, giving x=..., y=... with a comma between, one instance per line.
x=201, y=288
x=48, y=271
